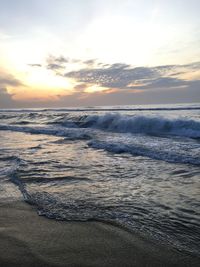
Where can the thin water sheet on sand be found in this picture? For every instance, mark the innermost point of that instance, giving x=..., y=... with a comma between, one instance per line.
x=31, y=240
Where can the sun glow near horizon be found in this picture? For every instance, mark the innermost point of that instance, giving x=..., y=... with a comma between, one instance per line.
x=40, y=85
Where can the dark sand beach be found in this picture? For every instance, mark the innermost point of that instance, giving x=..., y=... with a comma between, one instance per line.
x=31, y=240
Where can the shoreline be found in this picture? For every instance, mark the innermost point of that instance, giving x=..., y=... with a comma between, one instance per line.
x=36, y=241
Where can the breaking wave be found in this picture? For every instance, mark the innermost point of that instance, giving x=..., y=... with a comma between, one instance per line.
x=172, y=156
x=113, y=122
x=143, y=124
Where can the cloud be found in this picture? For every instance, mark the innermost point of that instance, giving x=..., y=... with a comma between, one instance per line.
x=124, y=84
x=160, y=83
x=90, y=62
x=117, y=76
x=122, y=76
x=8, y=80
x=193, y=66
x=35, y=65
x=56, y=63
x=5, y=99
x=54, y=66
x=59, y=60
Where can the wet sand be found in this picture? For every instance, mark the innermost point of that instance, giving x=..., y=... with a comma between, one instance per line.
x=27, y=239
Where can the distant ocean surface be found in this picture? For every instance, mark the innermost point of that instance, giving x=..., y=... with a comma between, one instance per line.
x=138, y=166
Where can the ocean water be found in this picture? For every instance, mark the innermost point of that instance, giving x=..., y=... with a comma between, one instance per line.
x=138, y=166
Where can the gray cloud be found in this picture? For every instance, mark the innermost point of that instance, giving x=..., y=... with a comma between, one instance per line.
x=90, y=62
x=35, y=65
x=8, y=80
x=59, y=60
x=194, y=66
x=117, y=76
x=56, y=63
x=55, y=67
x=123, y=76
x=5, y=99
x=162, y=82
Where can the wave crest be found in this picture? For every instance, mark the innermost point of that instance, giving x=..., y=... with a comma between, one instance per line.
x=143, y=124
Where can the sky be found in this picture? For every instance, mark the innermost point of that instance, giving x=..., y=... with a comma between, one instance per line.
x=98, y=52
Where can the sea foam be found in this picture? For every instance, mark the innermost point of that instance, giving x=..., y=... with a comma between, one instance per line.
x=143, y=124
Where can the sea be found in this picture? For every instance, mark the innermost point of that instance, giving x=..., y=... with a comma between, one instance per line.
x=134, y=166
